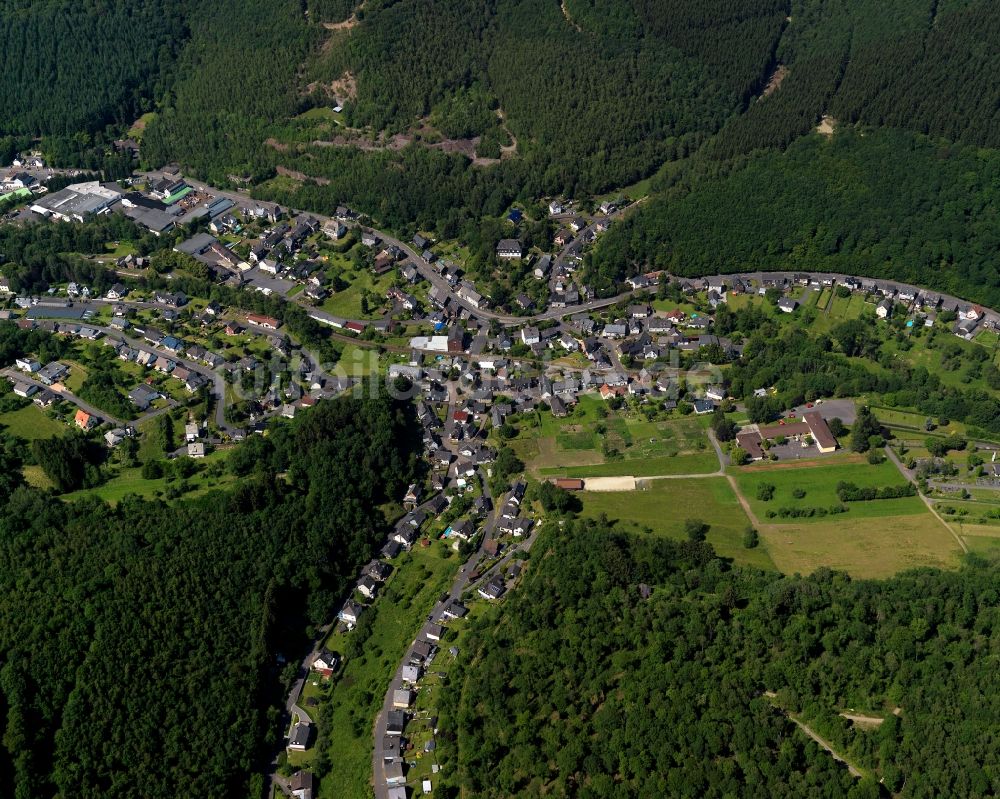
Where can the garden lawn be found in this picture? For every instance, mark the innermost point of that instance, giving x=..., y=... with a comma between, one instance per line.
x=347, y=303
x=357, y=361
x=30, y=422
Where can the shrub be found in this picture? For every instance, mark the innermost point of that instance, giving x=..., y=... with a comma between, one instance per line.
x=765, y=492
x=696, y=529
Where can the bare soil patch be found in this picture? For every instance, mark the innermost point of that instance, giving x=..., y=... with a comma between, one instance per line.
x=343, y=88
x=609, y=484
x=862, y=720
x=774, y=82
x=569, y=18
x=827, y=125
x=346, y=25
x=300, y=176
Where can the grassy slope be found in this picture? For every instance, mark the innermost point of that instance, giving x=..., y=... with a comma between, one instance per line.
x=420, y=578
x=30, y=422
x=664, y=506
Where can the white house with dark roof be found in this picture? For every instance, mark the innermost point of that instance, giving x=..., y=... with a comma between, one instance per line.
x=509, y=249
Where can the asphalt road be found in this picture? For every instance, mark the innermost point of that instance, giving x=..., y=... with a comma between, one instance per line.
x=21, y=377
x=455, y=592
x=218, y=383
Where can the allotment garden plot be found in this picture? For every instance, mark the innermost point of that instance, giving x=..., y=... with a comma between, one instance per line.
x=587, y=444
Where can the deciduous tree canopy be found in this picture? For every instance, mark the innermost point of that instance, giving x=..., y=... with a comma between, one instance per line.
x=578, y=686
x=139, y=644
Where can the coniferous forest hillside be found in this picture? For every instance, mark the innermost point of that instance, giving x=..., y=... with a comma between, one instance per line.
x=71, y=67
x=553, y=99
x=882, y=203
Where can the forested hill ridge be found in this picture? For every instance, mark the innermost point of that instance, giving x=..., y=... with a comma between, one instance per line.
x=596, y=93
x=886, y=204
x=653, y=668
x=453, y=110
x=140, y=642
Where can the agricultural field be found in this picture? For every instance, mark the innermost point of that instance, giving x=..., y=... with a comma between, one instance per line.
x=352, y=702
x=663, y=505
x=816, y=482
x=981, y=538
x=860, y=547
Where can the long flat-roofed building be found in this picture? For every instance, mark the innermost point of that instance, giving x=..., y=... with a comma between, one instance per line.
x=77, y=202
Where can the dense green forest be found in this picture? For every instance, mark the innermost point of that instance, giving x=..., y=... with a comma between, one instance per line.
x=579, y=686
x=70, y=67
x=139, y=644
x=595, y=93
x=881, y=203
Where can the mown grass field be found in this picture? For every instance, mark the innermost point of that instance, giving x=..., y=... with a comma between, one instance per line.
x=894, y=417
x=31, y=422
x=663, y=507
x=130, y=481
x=818, y=479
x=357, y=361
x=347, y=303
x=862, y=547
x=357, y=695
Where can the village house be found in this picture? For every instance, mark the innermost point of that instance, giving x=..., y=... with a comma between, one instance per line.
x=84, y=420
x=350, y=612
x=298, y=738
x=302, y=785
x=142, y=396
x=509, y=249
x=266, y=322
